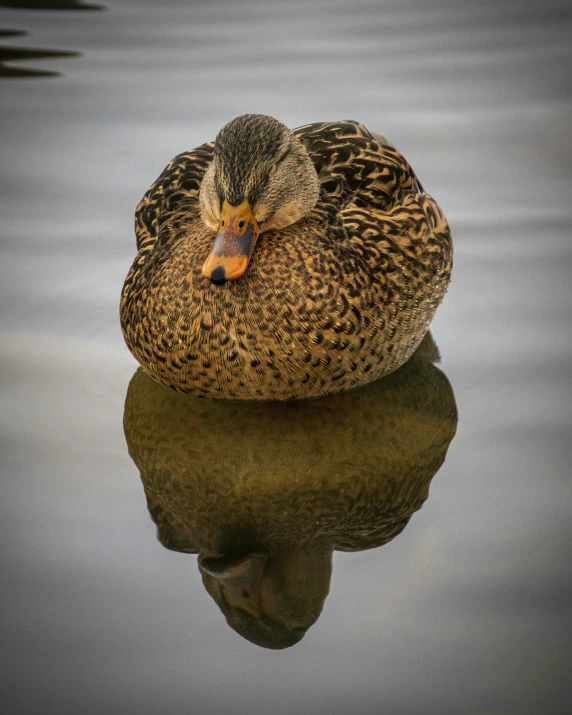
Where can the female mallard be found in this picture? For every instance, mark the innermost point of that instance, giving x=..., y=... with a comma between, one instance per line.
x=328, y=263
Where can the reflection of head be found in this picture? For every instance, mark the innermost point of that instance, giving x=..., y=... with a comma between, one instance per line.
x=264, y=492
x=289, y=593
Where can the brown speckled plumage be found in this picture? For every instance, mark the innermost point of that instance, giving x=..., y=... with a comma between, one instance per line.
x=337, y=299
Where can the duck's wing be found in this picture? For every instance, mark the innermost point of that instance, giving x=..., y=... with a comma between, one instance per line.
x=176, y=188
x=386, y=145
x=370, y=193
x=356, y=167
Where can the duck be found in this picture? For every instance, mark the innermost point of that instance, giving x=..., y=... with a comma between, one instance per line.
x=260, y=495
x=280, y=264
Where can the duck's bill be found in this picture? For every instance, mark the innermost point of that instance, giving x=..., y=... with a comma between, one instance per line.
x=233, y=244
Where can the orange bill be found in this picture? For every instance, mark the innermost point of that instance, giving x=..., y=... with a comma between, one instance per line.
x=233, y=244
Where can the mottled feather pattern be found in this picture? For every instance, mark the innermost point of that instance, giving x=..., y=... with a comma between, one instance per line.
x=338, y=299
x=350, y=469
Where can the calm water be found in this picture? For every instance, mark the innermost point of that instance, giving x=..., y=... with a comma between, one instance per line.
x=466, y=607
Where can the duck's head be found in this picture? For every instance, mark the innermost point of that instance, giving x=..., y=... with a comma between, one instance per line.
x=261, y=179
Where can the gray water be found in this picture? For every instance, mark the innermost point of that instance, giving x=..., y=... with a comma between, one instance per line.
x=468, y=609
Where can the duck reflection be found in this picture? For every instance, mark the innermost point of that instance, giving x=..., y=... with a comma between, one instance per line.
x=265, y=492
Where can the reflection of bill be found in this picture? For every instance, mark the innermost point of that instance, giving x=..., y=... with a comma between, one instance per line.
x=265, y=492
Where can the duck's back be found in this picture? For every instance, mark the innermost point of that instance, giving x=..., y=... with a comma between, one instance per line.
x=335, y=300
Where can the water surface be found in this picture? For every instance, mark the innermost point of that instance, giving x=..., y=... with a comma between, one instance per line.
x=466, y=608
